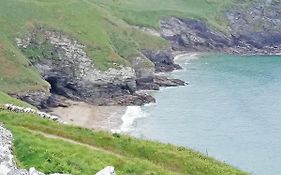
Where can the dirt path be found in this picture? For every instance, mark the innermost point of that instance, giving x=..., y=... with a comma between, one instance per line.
x=51, y=136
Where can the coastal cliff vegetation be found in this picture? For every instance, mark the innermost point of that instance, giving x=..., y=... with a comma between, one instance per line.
x=50, y=48
x=52, y=147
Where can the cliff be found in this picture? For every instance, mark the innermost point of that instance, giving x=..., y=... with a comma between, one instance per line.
x=106, y=53
x=254, y=29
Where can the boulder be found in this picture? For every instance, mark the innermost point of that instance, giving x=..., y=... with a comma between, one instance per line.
x=109, y=170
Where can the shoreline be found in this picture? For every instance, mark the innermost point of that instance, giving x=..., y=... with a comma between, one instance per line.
x=117, y=119
x=178, y=56
x=90, y=116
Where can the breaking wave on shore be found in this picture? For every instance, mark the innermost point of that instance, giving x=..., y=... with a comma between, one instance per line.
x=128, y=119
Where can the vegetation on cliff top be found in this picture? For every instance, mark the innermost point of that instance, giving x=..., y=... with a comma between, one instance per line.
x=104, y=26
x=52, y=147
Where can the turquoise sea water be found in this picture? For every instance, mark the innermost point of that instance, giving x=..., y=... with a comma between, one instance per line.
x=230, y=110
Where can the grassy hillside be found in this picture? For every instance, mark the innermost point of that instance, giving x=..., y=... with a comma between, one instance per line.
x=90, y=24
x=102, y=25
x=52, y=147
x=148, y=12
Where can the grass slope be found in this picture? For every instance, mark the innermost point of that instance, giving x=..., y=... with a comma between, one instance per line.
x=83, y=20
x=128, y=155
x=5, y=98
x=102, y=25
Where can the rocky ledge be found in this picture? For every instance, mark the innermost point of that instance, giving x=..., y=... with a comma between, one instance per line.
x=157, y=82
x=163, y=60
x=70, y=72
x=253, y=30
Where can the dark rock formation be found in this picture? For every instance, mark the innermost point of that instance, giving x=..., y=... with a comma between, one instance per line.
x=35, y=98
x=71, y=74
x=137, y=99
x=253, y=30
x=168, y=82
x=154, y=83
x=147, y=83
x=163, y=60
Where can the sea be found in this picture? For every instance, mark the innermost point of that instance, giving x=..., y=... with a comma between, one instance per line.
x=231, y=110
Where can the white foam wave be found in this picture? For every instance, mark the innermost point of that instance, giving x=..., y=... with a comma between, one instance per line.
x=186, y=56
x=132, y=113
x=149, y=104
x=184, y=59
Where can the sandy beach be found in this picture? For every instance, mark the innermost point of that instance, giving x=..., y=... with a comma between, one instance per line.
x=110, y=118
x=90, y=116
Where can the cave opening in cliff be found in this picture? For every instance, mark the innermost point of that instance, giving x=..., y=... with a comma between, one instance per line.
x=56, y=88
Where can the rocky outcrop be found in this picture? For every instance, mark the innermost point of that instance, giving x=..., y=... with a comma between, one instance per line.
x=192, y=35
x=163, y=60
x=39, y=99
x=154, y=83
x=163, y=81
x=253, y=30
x=65, y=64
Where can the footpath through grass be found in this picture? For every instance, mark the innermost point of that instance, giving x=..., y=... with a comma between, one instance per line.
x=127, y=154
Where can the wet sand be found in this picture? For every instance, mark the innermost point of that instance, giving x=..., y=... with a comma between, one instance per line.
x=102, y=117
x=90, y=116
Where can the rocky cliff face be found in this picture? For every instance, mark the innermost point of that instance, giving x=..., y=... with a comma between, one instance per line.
x=253, y=30
x=163, y=60
x=64, y=63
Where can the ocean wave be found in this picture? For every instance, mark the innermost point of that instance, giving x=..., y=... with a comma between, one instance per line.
x=186, y=56
x=132, y=113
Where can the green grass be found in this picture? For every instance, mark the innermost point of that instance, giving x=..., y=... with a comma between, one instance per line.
x=6, y=99
x=127, y=154
x=82, y=20
x=50, y=155
x=148, y=12
x=102, y=25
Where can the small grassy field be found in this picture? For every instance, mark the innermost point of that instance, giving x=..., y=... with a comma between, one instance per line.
x=52, y=147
